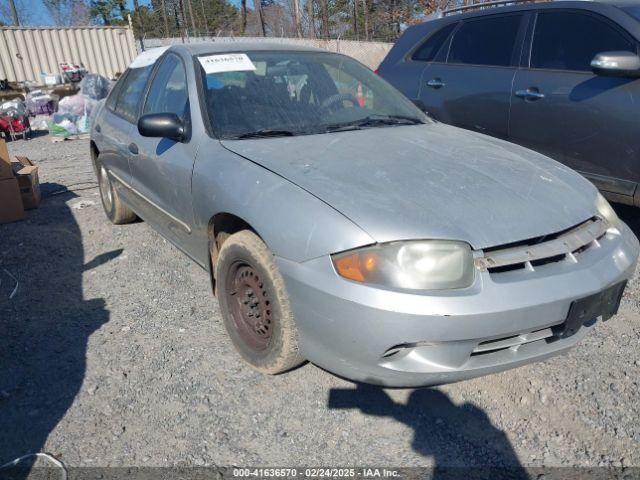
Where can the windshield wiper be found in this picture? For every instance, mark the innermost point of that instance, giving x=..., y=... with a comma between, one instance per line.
x=264, y=133
x=374, y=120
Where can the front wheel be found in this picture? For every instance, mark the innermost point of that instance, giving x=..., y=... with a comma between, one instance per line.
x=255, y=306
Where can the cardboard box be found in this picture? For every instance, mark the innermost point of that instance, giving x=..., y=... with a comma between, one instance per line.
x=11, y=208
x=27, y=174
x=29, y=187
x=25, y=161
x=5, y=161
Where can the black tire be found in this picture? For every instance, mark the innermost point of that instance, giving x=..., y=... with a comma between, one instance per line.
x=113, y=206
x=255, y=305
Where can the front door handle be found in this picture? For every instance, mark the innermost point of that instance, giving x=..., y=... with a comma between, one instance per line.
x=435, y=83
x=133, y=148
x=530, y=93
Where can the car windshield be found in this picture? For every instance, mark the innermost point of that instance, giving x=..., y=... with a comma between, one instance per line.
x=284, y=93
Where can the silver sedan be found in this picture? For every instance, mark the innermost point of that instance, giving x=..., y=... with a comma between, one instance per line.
x=340, y=224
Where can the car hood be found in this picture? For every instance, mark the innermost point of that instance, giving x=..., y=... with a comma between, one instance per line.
x=430, y=181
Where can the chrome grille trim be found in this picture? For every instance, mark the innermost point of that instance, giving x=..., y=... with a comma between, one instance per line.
x=513, y=342
x=565, y=244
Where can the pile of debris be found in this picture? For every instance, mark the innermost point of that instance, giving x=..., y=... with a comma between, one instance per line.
x=19, y=186
x=73, y=112
x=67, y=105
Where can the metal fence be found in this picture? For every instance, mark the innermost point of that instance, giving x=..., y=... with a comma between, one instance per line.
x=369, y=53
x=27, y=52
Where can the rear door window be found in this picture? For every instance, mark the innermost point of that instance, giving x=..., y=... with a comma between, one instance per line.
x=488, y=41
x=130, y=93
x=112, y=98
x=570, y=40
x=428, y=50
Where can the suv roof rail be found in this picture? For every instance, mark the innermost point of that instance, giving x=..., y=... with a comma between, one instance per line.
x=483, y=5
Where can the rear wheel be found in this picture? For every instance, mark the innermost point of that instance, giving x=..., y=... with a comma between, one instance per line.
x=255, y=306
x=114, y=208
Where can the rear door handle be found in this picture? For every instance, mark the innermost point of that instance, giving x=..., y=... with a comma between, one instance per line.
x=98, y=128
x=133, y=148
x=530, y=93
x=435, y=83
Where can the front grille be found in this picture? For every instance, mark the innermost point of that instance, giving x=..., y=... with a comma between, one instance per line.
x=563, y=246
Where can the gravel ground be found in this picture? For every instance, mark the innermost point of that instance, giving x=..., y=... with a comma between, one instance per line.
x=113, y=353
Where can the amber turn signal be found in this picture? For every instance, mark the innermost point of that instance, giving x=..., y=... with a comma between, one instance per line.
x=356, y=266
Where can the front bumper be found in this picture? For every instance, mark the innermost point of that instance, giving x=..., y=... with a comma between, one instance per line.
x=403, y=339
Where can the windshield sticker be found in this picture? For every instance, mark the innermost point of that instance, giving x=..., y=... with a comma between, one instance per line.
x=230, y=62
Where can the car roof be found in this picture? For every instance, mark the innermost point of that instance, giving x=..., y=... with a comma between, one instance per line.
x=492, y=10
x=202, y=48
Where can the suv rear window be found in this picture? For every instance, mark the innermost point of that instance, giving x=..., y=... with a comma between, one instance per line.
x=428, y=50
x=489, y=41
x=570, y=40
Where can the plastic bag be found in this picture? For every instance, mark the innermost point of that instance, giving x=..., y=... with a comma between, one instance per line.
x=78, y=104
x=14, y=108
x=63, y=124
x=95, y=86
x=83, y=124
x=73, y=104
x=57, y=130
x=39, y=102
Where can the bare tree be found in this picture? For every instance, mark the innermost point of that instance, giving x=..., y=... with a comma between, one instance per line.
x=365, y=7
x=324, y=17
x=311, y=19
x=205, y=22
x=194, y=32
x=7, y=15
x=243, y=16
x=67, y=12
x=182, y=20
x=14, y=13
x=355, y=19
x=163, y=5
x=257, y=6
x=295, y=8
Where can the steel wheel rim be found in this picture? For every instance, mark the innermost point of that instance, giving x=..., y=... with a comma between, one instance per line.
x=250, y=306
x=105, y=189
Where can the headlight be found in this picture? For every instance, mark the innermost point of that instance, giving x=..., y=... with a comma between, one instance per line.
x=414, y=265
x=606, y=211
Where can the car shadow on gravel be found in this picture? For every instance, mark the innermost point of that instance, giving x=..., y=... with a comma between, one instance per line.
x=44, y=327
x=460, y=439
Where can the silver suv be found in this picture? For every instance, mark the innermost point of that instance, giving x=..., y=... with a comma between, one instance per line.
x=560, y=78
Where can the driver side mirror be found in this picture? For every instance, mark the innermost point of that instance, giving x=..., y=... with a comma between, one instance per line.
x=616, y=64
x=163, y=125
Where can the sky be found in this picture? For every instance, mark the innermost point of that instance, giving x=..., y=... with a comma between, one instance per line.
x=38, y=15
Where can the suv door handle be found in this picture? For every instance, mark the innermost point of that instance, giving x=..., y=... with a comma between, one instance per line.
x=530, y=93
x=435, y=83
x=98, y=128
x=133, y=148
